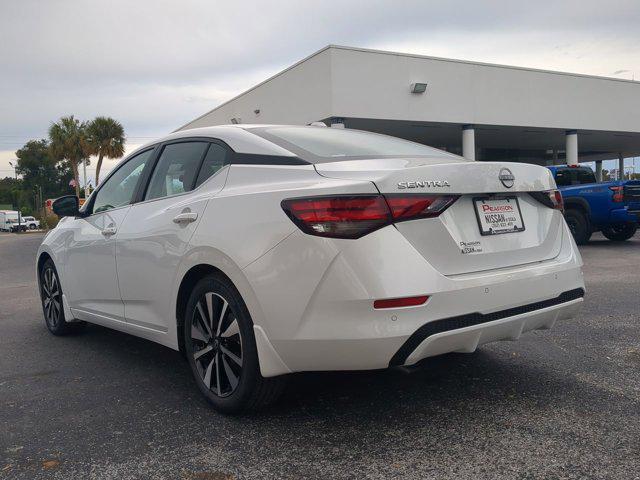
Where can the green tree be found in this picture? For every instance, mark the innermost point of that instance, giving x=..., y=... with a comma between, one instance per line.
x=105, y=137
x=39, y=169
x=68, y=143
x=9, y=187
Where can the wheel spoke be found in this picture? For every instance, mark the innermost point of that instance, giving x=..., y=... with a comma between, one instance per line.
x=219, y=386
x=231, y=330
x=202, y=352
x=47, y=301
x=233, y=379
x=224, y=311
x=207, y=374
x=198, y=334
x=45, y=282
x=205, y=320
x=209, y=299
x=231, y=355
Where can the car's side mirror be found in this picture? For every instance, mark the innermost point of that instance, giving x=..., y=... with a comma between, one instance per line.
x=67, y=206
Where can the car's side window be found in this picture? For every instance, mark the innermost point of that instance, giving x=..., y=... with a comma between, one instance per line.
x=176, y=169
x=118, y=190
x=563, y=177
x=215, y=159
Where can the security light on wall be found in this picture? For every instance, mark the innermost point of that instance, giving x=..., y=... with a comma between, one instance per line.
x=418, y=87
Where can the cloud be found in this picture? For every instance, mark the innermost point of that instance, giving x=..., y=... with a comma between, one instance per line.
x=156, y=64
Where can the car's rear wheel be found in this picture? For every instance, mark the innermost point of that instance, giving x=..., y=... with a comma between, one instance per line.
x=221, y=349
x=578, y=225
x=32, y=226
x=52, y=307
x=621, y=232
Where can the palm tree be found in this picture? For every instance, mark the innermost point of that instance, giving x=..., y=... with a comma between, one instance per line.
x=106, y=139
x=68, y=142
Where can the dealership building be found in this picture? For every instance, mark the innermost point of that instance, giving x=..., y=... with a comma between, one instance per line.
x=478, y=110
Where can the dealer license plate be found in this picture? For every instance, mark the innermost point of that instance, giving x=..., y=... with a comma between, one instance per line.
x=498, y=215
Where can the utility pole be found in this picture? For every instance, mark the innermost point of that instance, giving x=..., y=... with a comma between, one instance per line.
x=15, y=169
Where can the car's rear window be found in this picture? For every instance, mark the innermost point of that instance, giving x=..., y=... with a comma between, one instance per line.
x=319, y=144
x=574, y=176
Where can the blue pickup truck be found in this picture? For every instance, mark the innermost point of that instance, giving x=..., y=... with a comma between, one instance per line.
x=610, y=207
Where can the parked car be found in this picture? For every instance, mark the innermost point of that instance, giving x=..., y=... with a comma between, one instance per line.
x=31, y=223
x=610, y=207
x=259, y=251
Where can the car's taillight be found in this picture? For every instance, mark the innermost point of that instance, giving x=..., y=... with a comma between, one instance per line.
x=618, y=194
x=556, y=200
x=338, y=217
x=550, y=198
x=410, y=207
x=353, y=216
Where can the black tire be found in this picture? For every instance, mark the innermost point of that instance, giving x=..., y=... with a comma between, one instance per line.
x=579, y=225
x=32, y=226
x=236, y=387
x=51, y=299
x=620, y=233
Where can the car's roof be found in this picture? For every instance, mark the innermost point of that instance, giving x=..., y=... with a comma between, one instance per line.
x=236, y=136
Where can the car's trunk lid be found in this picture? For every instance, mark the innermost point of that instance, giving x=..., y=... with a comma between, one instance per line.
x=453, y=242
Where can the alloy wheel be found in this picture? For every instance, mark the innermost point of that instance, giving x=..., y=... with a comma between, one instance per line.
x=216, y=344
x=51, y=297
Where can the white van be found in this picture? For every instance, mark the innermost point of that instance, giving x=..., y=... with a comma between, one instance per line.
x=8, y=218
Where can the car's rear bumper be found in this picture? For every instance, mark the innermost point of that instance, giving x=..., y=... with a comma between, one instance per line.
x=327, y=321
x=624, y=215
x=466, y=332
x=362, y=338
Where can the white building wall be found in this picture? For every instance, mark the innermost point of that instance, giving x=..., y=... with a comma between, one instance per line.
x=369, y=84
x=356, y=83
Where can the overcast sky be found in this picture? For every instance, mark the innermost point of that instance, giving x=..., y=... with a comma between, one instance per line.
x=155, y=64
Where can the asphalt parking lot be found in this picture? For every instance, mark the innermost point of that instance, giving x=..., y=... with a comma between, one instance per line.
x=563, y=403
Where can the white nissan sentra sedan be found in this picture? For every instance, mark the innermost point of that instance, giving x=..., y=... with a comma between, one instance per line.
x=264, y=250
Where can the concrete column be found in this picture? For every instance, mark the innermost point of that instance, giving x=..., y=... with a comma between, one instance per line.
x=620, y=166
x=468, y=142
x=571, y=148
x=599, y=170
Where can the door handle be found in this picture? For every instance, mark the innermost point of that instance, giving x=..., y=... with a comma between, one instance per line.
x=108, y=231
x=185, y=217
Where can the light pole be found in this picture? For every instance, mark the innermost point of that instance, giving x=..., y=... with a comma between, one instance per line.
x=15, y=169
x=84, y=168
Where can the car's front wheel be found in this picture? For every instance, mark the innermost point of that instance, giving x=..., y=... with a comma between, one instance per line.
x=221, y=349
x=52, y=307
x=620, y=233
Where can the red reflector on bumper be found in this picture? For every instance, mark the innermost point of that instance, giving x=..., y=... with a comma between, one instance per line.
x=400, y=302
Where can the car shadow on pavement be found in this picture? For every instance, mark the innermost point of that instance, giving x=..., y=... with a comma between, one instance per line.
x=449, y=384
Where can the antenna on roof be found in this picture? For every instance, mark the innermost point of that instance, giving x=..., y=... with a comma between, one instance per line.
x=317, y=124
